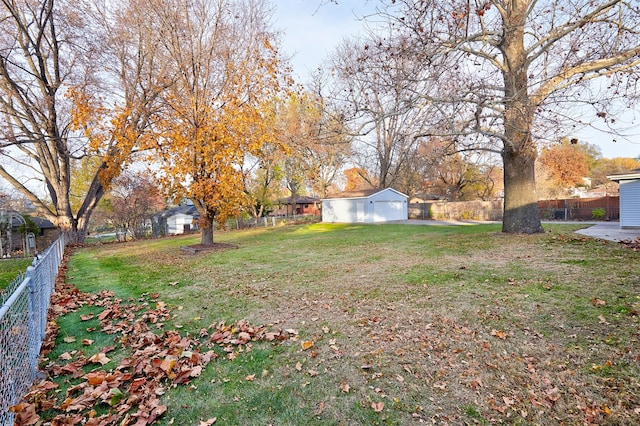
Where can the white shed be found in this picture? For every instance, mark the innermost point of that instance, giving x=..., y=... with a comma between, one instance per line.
x=629, y=198
x=367, y=206
x=177, y=220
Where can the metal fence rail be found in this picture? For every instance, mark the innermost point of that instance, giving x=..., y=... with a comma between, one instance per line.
x=23, y=322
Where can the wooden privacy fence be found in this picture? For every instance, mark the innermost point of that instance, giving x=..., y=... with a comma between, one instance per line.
x=602, y=208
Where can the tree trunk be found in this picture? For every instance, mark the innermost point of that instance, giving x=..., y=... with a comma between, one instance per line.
x=521, y=214
x=206, y=228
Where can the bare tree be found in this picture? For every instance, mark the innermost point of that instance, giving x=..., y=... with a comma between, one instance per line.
x=384, y=90
x=131, y=203
x=527, y=64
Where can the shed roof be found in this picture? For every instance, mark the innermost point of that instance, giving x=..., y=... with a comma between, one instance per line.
x=363, y=193
x=300, y=200
x=632, y=175
x=188, y=209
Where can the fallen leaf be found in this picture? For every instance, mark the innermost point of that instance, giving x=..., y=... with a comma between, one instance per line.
x=69, y=339
x=208, y=422
x=99, y=358
x=306, y=345
x=598, y=302
x=250, y=378
x=499, y=334
x=602, y=319
x=298, y=366
x=86, y=317
x=377, y=406
x=344, y=386
x=87, y=342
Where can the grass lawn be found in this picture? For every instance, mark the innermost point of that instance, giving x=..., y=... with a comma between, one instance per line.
x=385, y=324
x=11, y=268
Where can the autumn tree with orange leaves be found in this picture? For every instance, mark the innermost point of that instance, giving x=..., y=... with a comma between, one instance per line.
x=76, y=94
x=218, y=109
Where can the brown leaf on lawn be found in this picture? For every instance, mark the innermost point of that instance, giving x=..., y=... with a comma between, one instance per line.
x=99, y=358
x=602, y=319
x=168, y=364
x=86, y=317
x=377, y=406
x=344, y=386
x=87, y=342
x=96, y=378
x=208, y=422
x=306, y=345
x=499, y=334
x=69, y=339
x=25, y=414
x=250, y=378
x=598, y=302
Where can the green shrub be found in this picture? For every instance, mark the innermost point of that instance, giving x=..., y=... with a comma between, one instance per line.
x=598, y=213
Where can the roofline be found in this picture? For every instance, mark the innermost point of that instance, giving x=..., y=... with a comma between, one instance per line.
x=367, y=196
x=625, y=176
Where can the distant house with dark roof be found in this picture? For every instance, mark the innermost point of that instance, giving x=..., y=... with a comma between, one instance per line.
x=181, y=219
x=47, y=233
x=302, y=205
x=365, y=206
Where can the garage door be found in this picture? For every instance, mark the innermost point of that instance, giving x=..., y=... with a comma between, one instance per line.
x=388, y=210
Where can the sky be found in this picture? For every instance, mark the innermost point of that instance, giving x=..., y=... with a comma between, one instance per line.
x=312, y=29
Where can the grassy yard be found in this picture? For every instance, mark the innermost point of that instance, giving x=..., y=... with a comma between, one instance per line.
x=11, y=268
x=376, y=324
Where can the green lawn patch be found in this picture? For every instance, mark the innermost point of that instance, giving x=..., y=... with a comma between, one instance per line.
x=11, y=268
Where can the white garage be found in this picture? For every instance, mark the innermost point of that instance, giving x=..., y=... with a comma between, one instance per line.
x=629, y=198
x=366, y=206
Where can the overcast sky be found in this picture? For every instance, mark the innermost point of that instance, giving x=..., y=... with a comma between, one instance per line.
x=313, y=28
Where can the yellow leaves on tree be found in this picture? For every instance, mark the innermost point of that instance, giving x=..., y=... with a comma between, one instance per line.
x=220, y=107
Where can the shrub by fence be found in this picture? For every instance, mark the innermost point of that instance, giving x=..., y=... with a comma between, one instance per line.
x=23, y=322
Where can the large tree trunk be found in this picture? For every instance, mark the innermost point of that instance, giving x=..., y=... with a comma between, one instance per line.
x=521, y=215
x=206, y=235
x=206, y=227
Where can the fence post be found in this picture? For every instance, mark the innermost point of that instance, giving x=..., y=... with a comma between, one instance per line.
x=34, y=321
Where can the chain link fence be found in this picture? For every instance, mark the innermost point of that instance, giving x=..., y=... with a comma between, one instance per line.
x=23, y=323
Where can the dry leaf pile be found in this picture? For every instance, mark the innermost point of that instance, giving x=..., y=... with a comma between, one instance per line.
x=128, y=394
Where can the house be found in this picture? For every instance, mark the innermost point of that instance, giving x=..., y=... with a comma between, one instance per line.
x=366, y=206
x=301, y=206
x=629, y=198
x=181, y=219
x=16, y=240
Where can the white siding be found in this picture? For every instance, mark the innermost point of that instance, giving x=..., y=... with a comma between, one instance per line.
x=385, y=205
x=175, y=223
x=339, y=210
x=630, y=203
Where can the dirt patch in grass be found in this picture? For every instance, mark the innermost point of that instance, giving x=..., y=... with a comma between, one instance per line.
x=199, y=248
